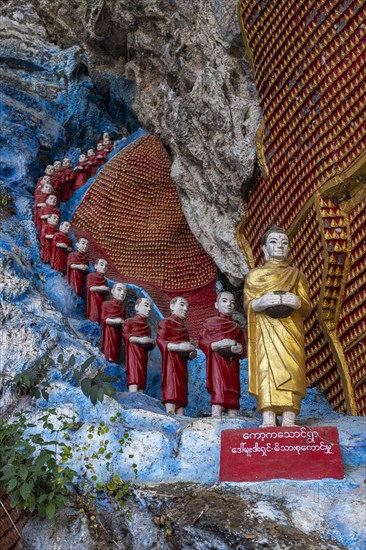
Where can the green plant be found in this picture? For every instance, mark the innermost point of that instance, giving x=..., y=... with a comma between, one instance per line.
x=94, y=387
x=89, y=485
x=5, y=196
x=34, y=380
x=30, y=471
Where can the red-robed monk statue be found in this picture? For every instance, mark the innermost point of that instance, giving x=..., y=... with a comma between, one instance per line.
x=81, y=172
x=176, y=348
x=49, y=172
x=112, y=317
x=40, y=198
x=223, y=342
x=45, y=211
x=61, y=246
x=101, y=154
x=138, y=342
x=77, y=266
x=96, y=290
x=68, y=178
x=93, y=162
x=47, y=234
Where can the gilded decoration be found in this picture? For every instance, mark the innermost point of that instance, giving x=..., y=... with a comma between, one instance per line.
x=309, y=62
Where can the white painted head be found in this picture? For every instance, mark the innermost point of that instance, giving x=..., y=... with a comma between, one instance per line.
x=225, y=303
x=143, y=307
x=179, y=306
x=82, y=245
x=101, y=265
x=49, y=170
x=51, y=200
x=53, y=219
x=275, y=244
x=65, y=227
x=119, y=291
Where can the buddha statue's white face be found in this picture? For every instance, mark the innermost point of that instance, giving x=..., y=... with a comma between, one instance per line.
x=66, y=163
x=82, y=158
x=65, y=227
x=276, y=247
x=90, y=152
x=180, y=308
x=47, y=188
x=53, y=219
x=119, y=292
x=82, y=245
x=226, y=303
x=101, y=266
x=51, y=200
x=143, y=308
x=50, y=170
x=57, y=165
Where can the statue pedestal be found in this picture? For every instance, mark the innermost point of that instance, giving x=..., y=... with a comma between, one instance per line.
x=262, y=454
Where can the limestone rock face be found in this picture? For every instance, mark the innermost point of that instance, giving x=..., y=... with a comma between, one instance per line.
x=192, y=87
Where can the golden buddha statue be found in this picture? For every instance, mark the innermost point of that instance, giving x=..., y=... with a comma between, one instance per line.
x=276, y=299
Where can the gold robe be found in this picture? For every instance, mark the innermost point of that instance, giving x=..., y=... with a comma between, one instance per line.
x=276, y=346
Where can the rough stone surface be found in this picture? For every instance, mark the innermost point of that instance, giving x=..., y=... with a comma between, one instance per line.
x=69, y=69
x=172, y=517
x=69, y=531
x=191, y=86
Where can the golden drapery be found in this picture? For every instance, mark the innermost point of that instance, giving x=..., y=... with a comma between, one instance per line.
x=276, y=346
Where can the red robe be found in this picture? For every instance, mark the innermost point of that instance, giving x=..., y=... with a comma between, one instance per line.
x=174, y=382
x=108, y=147
x=102, y=157
x=43, y=211
x=39, y=198
x=111, y=335
x=39, y=181
x=59, y=255
x=81, y=176
x=68, y=180
x=222, y=374
x=93, y=164
x=136, y=355
x=75, y=277
x=94, y=300
x=46, y=249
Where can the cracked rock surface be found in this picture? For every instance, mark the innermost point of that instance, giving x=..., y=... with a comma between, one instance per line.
x=191, y=86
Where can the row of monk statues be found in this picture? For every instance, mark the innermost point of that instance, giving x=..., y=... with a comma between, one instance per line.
x=65, y=180
x=276, y=300
x=58, y=185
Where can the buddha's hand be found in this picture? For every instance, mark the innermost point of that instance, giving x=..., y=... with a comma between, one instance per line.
x=146, y=340
x=187, y=346
x=268, y=300
x=291, y=300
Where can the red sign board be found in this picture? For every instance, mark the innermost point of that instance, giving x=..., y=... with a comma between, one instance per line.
x=261, y=454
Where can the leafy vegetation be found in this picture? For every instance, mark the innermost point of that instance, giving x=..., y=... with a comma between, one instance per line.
x=96, y=386
x=34, y=458
x=29, y=468
x=5, y=197
x=34, y=381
